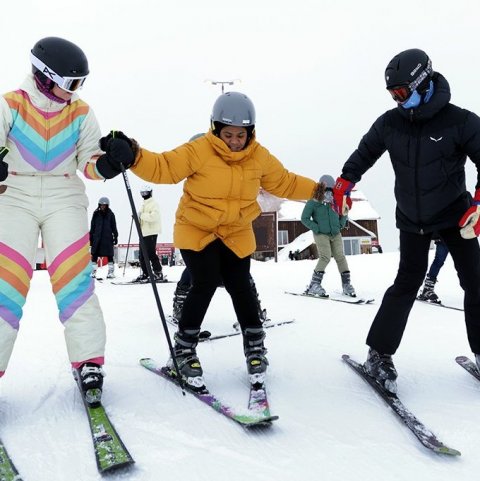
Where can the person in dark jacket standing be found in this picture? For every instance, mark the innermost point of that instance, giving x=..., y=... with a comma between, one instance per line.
x=428, y=140
x=325, y=223
x=103, y=236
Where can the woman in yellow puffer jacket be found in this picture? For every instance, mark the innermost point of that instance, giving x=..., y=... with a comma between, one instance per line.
x=223, y=172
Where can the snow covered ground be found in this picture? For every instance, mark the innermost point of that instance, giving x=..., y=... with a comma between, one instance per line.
x=332, y=426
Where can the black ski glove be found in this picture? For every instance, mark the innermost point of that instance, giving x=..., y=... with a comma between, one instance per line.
x=3, y=165
x=119, y=150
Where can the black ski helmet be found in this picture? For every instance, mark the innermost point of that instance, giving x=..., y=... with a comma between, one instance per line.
x=412, y=68
x=62, y=56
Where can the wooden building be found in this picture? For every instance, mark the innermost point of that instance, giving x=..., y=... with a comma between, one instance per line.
x=359, y=237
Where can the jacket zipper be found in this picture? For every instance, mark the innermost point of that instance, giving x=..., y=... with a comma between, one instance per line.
x=416, y=160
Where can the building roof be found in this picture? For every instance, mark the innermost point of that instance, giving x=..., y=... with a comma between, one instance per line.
x=361, y=208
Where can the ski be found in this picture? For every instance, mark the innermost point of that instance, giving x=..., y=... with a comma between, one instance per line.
x=469, y=366
x=236, y=333
x=110, y=451
x=258, y=401
x=8, y=472
x=439, y=304
x=132, y=283
x=352, y=300
x=423, y=434
x=256, y=417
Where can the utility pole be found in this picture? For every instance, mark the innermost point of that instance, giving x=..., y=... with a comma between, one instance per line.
x=222, y=83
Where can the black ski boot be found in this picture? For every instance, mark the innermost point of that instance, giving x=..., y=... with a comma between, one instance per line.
x=89, y=377
x=262, y=313
x=347, y=288
x=428, y=294
x=255, y=354
x=381, y=368
x=142, y=278
x=179, y=297
x=186, y=355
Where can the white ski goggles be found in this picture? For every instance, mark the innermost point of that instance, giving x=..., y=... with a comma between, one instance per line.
x=70, y=84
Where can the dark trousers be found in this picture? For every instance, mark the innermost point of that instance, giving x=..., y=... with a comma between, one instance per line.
x=441, y=253
x=151, y=244
x=208, y=267
x=389, y=324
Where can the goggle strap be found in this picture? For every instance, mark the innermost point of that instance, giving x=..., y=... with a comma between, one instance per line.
x=64, y=83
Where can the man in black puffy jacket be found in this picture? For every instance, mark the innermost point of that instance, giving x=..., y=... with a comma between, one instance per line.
x=428, y=140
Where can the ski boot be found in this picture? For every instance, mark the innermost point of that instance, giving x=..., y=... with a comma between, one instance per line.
x=187, y=360
x=347, y=288
x=255, y=355
x=142, y=278
x=158, y=276
x=111, y=273
x=315, y=288
x=179, y=297
x=381, y=368
x=90, y=380
x=428, y=294
x=262, y=313
x=94, y=270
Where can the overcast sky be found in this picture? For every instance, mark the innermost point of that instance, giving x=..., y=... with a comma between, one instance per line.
x=314, y=70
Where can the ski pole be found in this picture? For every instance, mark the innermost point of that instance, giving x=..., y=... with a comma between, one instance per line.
x=143, y=248
x=128, y=247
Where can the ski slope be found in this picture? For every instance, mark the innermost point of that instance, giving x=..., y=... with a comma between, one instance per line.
x=332, y=426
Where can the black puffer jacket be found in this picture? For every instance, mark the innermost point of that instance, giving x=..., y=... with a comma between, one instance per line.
x=103, y=233
x=428, y=147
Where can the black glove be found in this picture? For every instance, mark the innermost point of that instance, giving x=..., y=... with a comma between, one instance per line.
x=117, y=134
x=119, y=150
x=3, y=165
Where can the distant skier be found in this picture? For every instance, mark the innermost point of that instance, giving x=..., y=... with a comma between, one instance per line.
x=321, y=218
x=51, y=133
x=103, y=236
x=428, y=293
x=428, y=140
x=150, y=224
x=223, y=173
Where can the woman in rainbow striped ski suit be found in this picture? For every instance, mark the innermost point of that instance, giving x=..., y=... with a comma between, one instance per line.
x=51, y=134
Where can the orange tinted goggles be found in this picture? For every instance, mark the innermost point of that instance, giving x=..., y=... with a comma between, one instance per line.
x=400, y=94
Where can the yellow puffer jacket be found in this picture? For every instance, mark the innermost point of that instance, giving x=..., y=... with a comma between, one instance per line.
x=220, y=192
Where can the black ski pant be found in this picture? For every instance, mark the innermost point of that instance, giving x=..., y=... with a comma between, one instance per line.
x=151, y=245
x=389, y=324
x=208, y=267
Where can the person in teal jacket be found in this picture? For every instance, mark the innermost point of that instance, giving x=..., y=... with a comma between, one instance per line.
x=320, y=217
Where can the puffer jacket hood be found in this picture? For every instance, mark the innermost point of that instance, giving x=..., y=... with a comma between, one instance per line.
x=439, y=100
